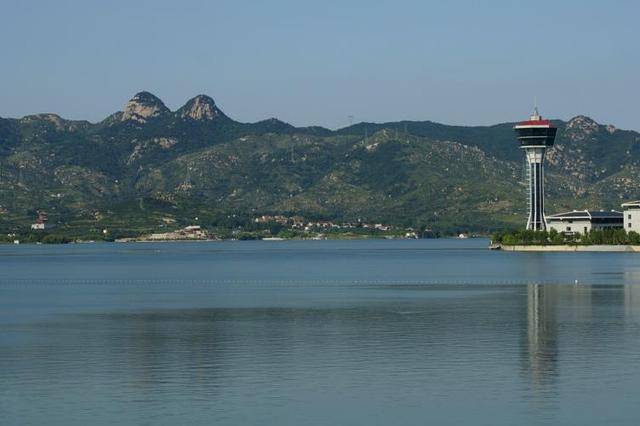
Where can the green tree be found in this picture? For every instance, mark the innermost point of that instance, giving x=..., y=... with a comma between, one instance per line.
x=55, y=239
x=633, y=237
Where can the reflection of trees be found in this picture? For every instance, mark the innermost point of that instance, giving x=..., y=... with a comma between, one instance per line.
x=156, y=349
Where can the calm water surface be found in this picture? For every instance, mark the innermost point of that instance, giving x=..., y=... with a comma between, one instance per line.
x=317, y=332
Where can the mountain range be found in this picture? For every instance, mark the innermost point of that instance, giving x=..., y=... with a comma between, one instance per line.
x=148, y=167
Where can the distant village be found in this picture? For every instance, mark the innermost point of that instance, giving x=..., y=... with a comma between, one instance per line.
x=290, y=227
x=299, y=222
x=286, y=227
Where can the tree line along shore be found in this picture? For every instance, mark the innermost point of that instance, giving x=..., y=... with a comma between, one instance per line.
x=196, y=233
x=615, y=237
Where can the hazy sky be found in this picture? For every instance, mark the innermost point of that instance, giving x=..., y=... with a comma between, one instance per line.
x=456, y=62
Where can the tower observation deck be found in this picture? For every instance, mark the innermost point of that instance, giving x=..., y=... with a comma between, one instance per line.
x=535, y=135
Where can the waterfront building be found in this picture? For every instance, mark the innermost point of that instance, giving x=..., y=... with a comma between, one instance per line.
x=584, y=221
x=39, y=226
x=535, y=136
x=631, y=211
x=42, y=221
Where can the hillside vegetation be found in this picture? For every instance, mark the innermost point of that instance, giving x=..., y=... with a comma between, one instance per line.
x=147, y=168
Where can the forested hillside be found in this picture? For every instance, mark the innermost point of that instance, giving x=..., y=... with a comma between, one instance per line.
x=146, y=167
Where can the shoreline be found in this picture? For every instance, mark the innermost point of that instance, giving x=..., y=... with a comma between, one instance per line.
x=567, y=248
x=203, y=240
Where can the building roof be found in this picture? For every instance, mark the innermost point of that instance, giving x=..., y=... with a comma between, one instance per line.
x=534, y=123
x=587, y=214
x=631, y=204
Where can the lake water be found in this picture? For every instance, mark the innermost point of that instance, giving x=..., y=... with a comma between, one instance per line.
x=441, y=332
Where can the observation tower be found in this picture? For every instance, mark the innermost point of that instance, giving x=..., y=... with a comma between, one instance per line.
x=535, y=136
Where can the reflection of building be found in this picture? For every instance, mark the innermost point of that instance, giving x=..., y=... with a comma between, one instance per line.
x=631, y=212
x=583, y=221
x=632, y=303
x=535, y=135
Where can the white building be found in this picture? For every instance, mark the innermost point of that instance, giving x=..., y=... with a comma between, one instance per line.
x=39, y=226
x=631, y=212
x=584, y=221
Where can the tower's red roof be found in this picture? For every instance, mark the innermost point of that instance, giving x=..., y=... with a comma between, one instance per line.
x=535, y=123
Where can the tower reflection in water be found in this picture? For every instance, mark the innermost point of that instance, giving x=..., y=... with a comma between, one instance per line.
x=542, y=334
x=576, y=327
x=553, y=310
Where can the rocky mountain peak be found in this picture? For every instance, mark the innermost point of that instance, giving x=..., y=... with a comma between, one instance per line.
x=60, y=124
x=142, y=107
x=581, y=127
x=52, y=118
x=202, y=107
x=582, y=122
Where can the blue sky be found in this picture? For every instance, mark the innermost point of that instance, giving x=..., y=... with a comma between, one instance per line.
x=316, y=63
